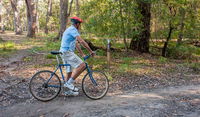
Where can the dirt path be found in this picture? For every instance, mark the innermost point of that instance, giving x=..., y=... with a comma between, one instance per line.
x=10, y=63
x=183, y=101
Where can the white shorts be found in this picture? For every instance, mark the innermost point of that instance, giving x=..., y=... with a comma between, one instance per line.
x=72, y=59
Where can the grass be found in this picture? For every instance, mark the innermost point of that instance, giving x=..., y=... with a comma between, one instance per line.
x=7, y=48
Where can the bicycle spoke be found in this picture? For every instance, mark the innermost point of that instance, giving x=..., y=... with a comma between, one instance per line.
x=92, y=90
x=39, y=86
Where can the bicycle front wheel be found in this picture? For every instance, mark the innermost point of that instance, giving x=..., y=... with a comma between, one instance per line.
x=45, y=85
x=95, y=85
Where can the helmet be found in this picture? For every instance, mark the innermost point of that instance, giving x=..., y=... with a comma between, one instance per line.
x=76, y=20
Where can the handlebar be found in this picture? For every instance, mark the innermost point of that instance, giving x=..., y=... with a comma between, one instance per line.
x=88, y=56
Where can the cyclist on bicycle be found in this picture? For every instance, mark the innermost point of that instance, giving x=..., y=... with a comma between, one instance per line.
x=71, y=40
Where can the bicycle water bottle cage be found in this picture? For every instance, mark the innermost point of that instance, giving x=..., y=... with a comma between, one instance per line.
x=56, y=52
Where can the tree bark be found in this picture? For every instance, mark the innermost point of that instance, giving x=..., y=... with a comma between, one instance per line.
x=1, y=19
x=77, y=8
x=37, y=16
x=172, y=11
x=31, y=18
x=49, y=7
x=17, y=20
x=141, y=44
x=180, y=37
x=65, y=11
x=167, y=41
x=123, y=27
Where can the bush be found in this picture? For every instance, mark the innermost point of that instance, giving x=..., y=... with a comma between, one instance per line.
x=181, y=51
x=162, y=59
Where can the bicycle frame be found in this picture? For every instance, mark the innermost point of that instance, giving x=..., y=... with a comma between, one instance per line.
x=59, y=66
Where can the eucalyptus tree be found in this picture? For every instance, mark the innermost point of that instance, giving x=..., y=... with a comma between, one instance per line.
x=65, y=10
x=141, y=42
x=31, y=17
x=16, y=14
x=48, y=14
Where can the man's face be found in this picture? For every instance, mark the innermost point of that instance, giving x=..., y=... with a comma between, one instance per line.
x=78, y=26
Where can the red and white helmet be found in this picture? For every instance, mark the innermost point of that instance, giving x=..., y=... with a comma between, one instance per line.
x=76, y=20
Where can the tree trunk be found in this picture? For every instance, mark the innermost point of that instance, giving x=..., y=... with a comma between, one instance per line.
x=17, y=21
x=77, y=8
x=65, y=11
x=167, y=41
x=1, y=19
x=31, y=17
x=37, y=16
x=123, y=27
x=63, y=16
x=180, y=37
x=141, y=44
x=49, y=7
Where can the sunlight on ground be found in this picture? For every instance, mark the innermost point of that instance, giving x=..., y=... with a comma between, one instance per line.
x=21, y=41
x=151, y=95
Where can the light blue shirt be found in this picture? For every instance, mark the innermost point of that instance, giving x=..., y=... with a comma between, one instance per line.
x=68, y=42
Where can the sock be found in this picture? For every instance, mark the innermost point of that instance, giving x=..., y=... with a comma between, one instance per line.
x=70, y=81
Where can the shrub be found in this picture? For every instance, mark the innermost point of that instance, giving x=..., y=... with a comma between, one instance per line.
x=162, y=59
x=181, y=51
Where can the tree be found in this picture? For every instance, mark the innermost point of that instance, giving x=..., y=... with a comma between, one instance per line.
x=77, y=8
x=17, y=20
x=49, y=8
x=31, y=17
x=142, y=42
x=65, y=10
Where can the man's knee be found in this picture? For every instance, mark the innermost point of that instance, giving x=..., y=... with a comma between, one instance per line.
x=83, y=65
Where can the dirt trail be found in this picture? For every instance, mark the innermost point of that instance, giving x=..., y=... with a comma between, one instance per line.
x=183, y=101
x=10, y=63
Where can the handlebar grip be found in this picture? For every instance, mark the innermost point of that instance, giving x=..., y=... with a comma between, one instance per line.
x=86, y=57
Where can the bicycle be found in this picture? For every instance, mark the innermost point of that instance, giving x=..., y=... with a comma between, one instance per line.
x=45, y=85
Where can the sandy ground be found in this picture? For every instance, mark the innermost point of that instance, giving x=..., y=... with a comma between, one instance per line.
x=182, y=101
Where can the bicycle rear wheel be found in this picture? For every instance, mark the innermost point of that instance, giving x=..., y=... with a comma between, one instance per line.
x=95, y=85
x=41, y=88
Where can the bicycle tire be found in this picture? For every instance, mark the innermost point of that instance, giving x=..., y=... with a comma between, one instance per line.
x=42, y=89
x=89, y=88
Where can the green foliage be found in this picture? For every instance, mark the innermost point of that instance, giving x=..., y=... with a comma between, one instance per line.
x=27, y=59
x=195, y=66
x=191, y=20
x=182, y=51
x=162, y=59
x=109, y=76
x=50, y=56
x=101, y=53
x=7, y=47
x=53, y=45
x=108, y=18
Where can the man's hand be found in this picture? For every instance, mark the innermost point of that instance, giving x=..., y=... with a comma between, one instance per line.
x=83, y=55
x=92, y=53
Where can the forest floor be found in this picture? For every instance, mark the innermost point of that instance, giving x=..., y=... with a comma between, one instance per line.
x=174, y=91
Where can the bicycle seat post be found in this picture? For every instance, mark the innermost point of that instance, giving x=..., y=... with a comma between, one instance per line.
x=57, y=59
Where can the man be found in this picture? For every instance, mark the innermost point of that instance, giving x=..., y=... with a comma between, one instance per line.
x=70, y=40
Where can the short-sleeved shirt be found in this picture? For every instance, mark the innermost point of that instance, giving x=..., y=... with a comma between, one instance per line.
x=68, y=42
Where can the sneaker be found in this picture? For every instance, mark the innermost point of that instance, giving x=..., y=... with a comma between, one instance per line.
x=70, y=86
x=71, y=93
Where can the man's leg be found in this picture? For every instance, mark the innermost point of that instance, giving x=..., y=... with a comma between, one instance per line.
x=69, y=74
x=74, y=75
x=78, y=71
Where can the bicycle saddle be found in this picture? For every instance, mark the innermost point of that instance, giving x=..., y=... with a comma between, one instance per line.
x=55, y=52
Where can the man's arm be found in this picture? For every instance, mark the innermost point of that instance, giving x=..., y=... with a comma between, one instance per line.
x=79, y=49
x=84, y=44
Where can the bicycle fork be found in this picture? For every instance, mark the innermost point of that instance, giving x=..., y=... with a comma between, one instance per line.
x=90, y=75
